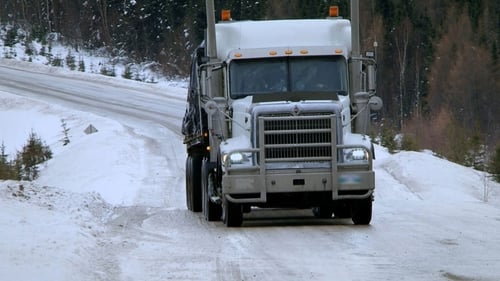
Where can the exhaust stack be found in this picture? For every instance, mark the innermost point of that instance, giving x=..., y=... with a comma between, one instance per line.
x=360, y=99
x=355, y=53
x=211, y=44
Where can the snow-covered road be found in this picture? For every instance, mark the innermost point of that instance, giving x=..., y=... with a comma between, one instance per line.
x=117, y=203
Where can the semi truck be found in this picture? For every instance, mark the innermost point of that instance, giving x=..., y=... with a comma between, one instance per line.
x=277, y=116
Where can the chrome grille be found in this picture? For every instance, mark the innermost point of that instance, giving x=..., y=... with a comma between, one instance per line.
x=298, y=138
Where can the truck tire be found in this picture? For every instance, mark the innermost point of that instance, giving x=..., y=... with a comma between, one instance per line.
x=211, y=211
x=323, y=212
x=193, y=182
x=342, y=210
x=189, y=182
x=232, y=214
x=362, y=211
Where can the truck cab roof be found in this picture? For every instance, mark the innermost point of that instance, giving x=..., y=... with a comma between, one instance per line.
x=251, y=39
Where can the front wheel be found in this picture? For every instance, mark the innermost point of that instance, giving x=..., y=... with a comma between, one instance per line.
x=342, y=210
x=211, y=210
x=193, y=182
x=189, y=183
x=362, y=211
x=232, y=214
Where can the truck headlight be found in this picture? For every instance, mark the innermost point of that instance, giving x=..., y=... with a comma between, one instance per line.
x=355, y=154
x=234, y=158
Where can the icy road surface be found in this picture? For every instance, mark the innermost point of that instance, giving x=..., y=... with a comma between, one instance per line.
x=111, y=205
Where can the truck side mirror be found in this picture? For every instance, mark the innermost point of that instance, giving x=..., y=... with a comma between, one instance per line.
x=201, y=58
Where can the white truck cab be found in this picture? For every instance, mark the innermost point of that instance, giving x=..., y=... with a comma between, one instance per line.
x=269, y=120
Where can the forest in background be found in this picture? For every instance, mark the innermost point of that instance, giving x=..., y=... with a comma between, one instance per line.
x=438, y=60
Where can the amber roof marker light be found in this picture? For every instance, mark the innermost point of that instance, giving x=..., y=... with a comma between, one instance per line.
x=225, y=15
x=333, y=11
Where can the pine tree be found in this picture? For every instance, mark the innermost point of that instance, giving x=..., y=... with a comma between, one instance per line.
x=4, y=164
x=494, y=167
x=65, y=140
x=33, y=153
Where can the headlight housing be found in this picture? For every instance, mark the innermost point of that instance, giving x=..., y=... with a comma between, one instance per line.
x=355, y=155
x=234, y=158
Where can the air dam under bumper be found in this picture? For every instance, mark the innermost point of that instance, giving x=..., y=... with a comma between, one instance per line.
x=252, y=187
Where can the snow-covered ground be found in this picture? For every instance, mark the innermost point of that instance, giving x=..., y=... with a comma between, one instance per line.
x=109, y=206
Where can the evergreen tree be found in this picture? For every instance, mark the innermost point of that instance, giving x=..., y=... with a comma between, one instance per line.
x=65, y=139
x=494, y=167
x=4, y=163
x=33, y=153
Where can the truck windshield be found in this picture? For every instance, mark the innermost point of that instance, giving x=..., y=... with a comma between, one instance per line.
x=288, y=74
